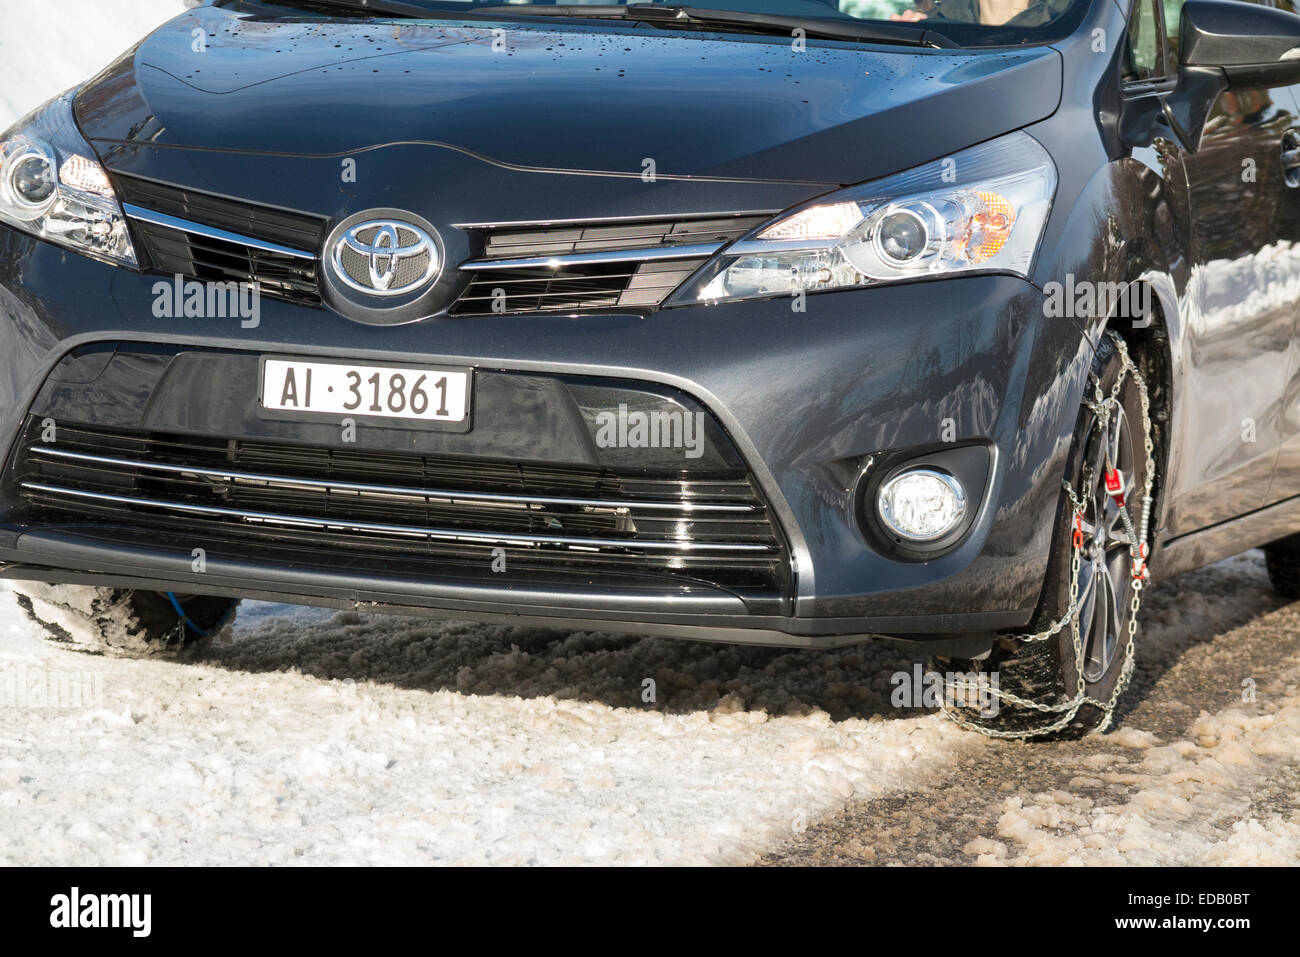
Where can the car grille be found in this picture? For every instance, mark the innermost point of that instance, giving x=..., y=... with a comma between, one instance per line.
x=595, y=266
x=515, y=243
x=703, y=526
x=240, y=258
x=632, y=264
x=563, y=288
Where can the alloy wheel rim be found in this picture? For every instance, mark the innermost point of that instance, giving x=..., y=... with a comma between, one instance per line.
x=1106, y=562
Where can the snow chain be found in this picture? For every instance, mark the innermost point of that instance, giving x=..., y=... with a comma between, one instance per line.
x=1103, y=407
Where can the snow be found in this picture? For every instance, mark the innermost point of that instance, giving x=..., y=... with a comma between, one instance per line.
x=1183, y=809
x=444, y=743
x=318, y=737
x=1220, y=793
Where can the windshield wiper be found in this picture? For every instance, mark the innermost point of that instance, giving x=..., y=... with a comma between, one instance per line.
x=381, y=8
x=656, y=14
x=664, y=15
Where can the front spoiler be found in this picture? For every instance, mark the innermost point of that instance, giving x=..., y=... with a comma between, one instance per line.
x=696, y=612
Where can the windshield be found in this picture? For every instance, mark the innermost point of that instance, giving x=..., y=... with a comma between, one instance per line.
x=958, y=22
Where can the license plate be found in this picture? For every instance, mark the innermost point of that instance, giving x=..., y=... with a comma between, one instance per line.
x=424, y=394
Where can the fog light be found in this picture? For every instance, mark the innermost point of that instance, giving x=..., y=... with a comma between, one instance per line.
x=922, y=505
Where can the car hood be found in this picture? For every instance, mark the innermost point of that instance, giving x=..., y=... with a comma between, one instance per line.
x=620, y=100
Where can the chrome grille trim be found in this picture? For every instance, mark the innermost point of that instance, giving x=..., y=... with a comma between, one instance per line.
x=592, y=265
x=616, y=220
x=427, y=513
x=758, y=247
x=693, y=251
x=211, y=232
x=363, y=488
x=552, y=289
x=482, y=538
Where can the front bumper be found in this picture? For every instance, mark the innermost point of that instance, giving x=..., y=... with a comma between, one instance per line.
x=806, y=400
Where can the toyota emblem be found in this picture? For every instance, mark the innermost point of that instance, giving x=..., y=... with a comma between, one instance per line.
x=385, y=257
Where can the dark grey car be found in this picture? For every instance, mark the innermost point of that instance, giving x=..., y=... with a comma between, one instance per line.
x=792, y=323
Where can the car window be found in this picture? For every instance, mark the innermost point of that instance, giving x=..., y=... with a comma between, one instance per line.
x=1173, y=13
x=1144, y=50
x=1145, y=59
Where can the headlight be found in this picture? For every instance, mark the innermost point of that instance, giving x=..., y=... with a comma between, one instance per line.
x=983, y=209
x=52, y=186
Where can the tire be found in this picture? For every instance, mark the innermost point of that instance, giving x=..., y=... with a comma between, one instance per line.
x=121, y=622
x=1283, y=560
x=1046, y=672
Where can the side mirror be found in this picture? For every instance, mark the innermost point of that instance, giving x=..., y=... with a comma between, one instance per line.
x=1226, y=45
x=1254, y=46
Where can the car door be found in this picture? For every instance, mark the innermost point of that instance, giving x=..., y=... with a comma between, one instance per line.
x=1240, y=308
x=1286, y=474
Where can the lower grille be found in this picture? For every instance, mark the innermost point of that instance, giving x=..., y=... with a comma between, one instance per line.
x=691, y=526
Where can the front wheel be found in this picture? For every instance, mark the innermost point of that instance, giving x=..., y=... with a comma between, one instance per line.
x=1065, y=677
x=123, y=622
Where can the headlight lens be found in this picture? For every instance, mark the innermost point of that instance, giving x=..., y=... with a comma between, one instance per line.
x=981, y=209
x=52, y=186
